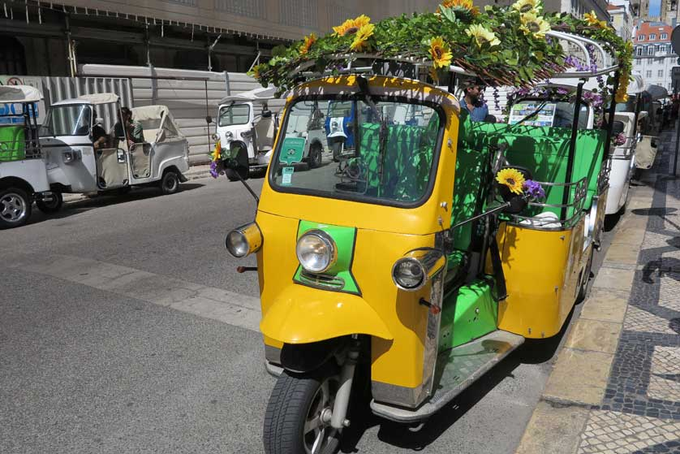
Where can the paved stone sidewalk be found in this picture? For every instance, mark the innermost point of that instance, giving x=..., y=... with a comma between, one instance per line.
x=615, y=387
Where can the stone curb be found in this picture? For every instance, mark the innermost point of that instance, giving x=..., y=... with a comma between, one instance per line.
x=195, y=173
x=580, y=374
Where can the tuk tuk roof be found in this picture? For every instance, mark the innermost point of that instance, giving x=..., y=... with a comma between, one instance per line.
x=258, y=94
x=95, y=99
x=19, y=94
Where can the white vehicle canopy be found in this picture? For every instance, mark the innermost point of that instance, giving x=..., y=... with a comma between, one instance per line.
x=19, y=94
x=157, y=123
x=258, y=94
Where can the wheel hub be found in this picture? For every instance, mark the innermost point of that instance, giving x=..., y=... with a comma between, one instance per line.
x=13, y=207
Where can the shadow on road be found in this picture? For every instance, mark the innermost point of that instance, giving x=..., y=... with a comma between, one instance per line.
x=104, y=200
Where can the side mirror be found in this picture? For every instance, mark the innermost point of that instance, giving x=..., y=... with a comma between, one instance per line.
x=208, y=119
x=237, y=160
x=618, y=127
x=654, y=143
x=642, y=114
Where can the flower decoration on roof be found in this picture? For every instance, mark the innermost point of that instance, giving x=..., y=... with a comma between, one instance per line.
x=482, y=36
x=307, y=44
x=513, y=179
x=351, y=26
x=216, y=160
x=527, y=6
x=533, y=190
x=361, y=37
x=503, y=46
x=591, y=19
x=440, y=53
x=534, y=25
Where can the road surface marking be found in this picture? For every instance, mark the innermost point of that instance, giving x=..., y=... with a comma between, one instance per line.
x=209, y=302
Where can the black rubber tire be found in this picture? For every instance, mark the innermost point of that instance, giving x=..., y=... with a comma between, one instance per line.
x=7, y=224
x=170, y=182
x=51, y=207
x=315, y=157
x=231, y=175
x=585, y=278
x=286, y=413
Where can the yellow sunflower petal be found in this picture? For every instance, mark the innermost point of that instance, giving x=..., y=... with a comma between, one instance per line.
x=513, y=179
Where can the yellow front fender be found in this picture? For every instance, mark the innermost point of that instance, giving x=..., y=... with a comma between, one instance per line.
x=301, y=315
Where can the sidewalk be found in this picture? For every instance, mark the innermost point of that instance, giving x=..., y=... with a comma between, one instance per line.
x=615, y=387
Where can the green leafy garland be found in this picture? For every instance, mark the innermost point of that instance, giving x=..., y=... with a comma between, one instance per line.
x=502, y=45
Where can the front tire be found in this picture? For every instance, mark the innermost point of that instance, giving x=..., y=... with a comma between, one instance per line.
x=15, y=208
x=315, y=156
x=53, y=206
x=585, y=278
x=296, y=421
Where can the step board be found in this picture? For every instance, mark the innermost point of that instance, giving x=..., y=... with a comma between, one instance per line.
x=457, y=368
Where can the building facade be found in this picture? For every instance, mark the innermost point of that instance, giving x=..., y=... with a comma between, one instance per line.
x=53, y=38
x=622, y=18
x=654, y=56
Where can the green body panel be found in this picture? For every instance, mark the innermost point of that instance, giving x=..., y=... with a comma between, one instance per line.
x=12, y=142
x=344, y=238
x=466, y=192
x=544, y=151
x=469, y=313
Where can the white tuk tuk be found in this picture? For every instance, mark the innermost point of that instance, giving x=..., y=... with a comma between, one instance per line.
x=82, y=157
x=23, y=178
x=244, y=121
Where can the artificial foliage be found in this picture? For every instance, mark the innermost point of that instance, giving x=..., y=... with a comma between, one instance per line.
x=501, y=45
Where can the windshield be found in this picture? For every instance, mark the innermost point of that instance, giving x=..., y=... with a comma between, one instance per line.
x=553, y=114
x=628, y=106
x=386, y=155
x=73, y=120
x=340, y=108
x=236, y=114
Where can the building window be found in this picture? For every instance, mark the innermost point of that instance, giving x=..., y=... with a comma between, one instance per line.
x=641, y=37
x=664, y=36
x=650, y=50
x=649, y=73
x=660, y=73
x=299, y=13
x=247, y=8
x=652, y=36
x=662, y=48
x=658, y=60
x=638, y=51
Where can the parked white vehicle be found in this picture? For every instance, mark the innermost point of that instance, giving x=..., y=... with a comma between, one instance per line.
x=77, y=161
x=244, y=121
x=23, y=178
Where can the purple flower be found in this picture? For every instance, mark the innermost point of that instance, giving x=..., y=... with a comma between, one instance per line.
x=213, y=169
x=562, y=91
x=534, y=189
x=619, y=139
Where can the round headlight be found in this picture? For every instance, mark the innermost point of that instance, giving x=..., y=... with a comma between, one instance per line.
x=408, y=274
x=316, y=251
x=237, y=244
x=215, y=137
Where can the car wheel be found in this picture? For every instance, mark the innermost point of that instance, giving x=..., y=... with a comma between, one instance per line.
x=53, y=205
x=170, y=182
x=15, y=208
x=315, y=157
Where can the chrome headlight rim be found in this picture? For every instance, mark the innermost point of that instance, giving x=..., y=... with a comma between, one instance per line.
x=328, y=242
x=423, y=273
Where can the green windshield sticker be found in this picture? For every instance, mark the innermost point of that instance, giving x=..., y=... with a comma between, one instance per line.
x=292, y=150
x=287, y=176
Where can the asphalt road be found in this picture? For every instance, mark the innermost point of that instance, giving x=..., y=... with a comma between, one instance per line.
x=125, y=328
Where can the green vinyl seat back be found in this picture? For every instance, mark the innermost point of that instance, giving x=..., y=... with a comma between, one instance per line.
x=407, y=162
x=12, y=142
x=544, y=152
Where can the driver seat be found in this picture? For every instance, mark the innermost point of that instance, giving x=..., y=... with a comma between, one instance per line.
x=264, y=133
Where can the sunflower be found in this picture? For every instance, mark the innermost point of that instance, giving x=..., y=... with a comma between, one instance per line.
x=534, y=25
x=526, y=6
x=307, y=44
x=217, y=152
x=592, y=19
x=512, y=178
x=351, y=26
x=459, y=5
x=440, y=52
x=482, y=35
x=362, y=36
x=255, y=72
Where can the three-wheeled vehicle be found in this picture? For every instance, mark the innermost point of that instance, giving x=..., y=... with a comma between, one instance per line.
x=23, y=178
x=423, y=262
x=245, y=121
x=83, y=158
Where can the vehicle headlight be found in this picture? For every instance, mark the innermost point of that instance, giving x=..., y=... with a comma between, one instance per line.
x=215, y=137
x=244, y=240
x=316, y=251
x=408, y=274
x=228, y=135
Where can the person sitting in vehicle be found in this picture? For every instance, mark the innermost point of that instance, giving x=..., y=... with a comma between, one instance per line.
x=135, y=132
x=100, y=138
x=473, y=102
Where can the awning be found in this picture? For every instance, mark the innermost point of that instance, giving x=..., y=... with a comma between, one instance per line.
x=19, y=93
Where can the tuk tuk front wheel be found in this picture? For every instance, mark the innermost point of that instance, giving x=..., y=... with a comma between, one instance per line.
x=585, y=278
x=315, y=157
x=53, y=205
x=297, y=420
x=170, y=182
x=15, y=207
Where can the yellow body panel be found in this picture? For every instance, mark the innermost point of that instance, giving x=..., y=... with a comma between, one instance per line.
x=541, y=271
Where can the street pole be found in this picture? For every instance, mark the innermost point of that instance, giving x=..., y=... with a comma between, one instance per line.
x=675, y=44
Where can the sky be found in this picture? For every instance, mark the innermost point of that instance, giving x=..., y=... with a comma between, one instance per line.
x=654, y=7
